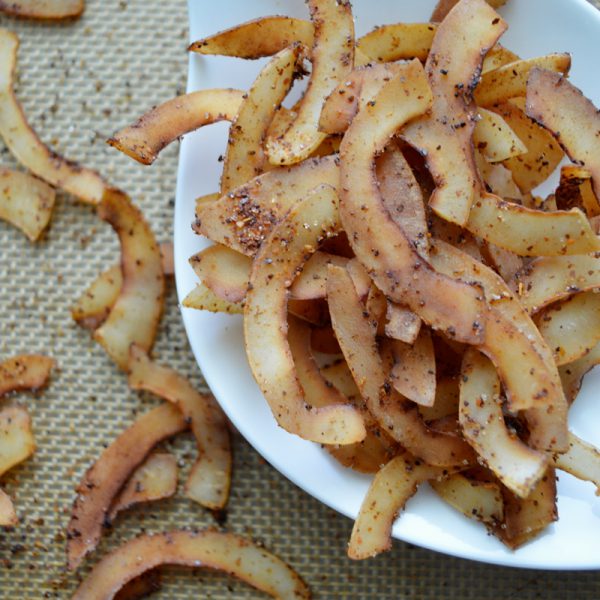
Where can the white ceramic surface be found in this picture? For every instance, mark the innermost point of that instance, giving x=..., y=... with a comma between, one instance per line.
x=536, y=27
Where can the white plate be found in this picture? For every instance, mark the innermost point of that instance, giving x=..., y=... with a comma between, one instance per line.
x=536, y=27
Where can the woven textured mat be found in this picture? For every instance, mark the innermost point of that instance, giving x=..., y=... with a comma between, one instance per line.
x=78, y=82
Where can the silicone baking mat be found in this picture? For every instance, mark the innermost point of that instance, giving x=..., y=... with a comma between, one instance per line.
x=78, y=82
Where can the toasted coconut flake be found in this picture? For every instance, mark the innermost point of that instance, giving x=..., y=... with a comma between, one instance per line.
x=206, y=199
x=573, y=373
x=257, y=38
x=104, y=479
x=210, y=477
x=209, y=548
x=455, y=236
x=581, y=460
x=16, y=437
x=323, y=340
x=572, y=119
x=376, y=306
x=402, y=197
x=43, y=9
x=506, y=263
x=575, y=191
x=401, y=323
x=95, y=304
x=530, y=232
x=262, y=37
x=398, y=41
x=243, y=218
x=245, y=157
x=443, y=7
x=360, y=277
x=332, y=60
x=549, y=279
x=135, y=314
x=26, y=202
x=543, y=155
x=8, y=516
x=227, y=273
x=28, y=372
x=153, y=131
x=515, y=464
x=319, y=393
x=367, y=456
x=445, y=136
x=312, y=311
x=391, y=489
x=350, y=96
x=525, y=518
x=571, y=328
x=224, y=271
x=316, y=388
x=480, y=500
x=311, y=282
x=499, y=181
x=24, y=143
x=498, y=56
x=510, y=81
x=446, y=400
x=413, y=374
x=494, y=137
x=154, y=479
x=339, y=375
x=203, y=298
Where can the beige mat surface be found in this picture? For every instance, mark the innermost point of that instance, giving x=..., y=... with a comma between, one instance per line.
x=77, y=82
